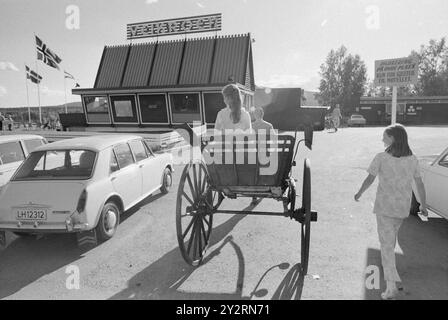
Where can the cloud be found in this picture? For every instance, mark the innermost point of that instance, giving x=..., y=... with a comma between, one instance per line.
x=45, y=91
x=6, y=65
x=151, y=1
x=200, y=5
x=290, y=81
x=3, y=91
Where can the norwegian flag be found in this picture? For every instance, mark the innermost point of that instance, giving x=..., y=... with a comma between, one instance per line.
x=68, y=75
x=33, y=76
x=46, y=55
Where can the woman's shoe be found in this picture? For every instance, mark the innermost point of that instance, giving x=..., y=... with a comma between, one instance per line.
x=390, y=294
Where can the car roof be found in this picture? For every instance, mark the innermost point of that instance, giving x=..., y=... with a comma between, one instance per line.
x=17, y=137
x=94, y=143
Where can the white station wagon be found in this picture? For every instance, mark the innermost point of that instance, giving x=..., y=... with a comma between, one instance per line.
x=13, y=150
x=435, y=178
x=82, y=185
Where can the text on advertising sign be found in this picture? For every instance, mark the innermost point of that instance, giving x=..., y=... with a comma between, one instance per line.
x=205, y=23
x=396, y=72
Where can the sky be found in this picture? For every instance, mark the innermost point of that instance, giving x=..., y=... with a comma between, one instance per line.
x=292, y=37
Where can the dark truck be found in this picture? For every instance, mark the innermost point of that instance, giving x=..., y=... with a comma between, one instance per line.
x=282, y=107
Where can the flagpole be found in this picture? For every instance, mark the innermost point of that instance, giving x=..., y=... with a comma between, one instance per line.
x=65, y=95
x=38, y=95
x=27, y=97
x=38, y=86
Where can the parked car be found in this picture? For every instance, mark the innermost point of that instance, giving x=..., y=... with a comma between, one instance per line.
x=13, y=150
x=82, y=186
x=435, y=178
x=356, y=120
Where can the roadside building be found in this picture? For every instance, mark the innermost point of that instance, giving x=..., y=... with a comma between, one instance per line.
x=160, y=84
x=410, y=110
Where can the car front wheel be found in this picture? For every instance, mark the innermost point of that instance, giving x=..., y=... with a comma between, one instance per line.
x=167, y=181
x=109, y=221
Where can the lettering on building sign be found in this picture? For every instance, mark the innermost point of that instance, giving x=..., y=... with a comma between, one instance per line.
x=205, y=23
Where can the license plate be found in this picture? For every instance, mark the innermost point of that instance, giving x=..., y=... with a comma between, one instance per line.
x=31, y=214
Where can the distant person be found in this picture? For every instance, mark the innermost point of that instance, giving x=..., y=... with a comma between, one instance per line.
x=232, y=117
x=396, y=169
x=2, y=119
x=10, y=122
x=336, y=117
x=58, y=125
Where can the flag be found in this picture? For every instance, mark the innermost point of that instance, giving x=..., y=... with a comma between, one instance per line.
x=68, y=75
x=33, y=76
x=46, y=55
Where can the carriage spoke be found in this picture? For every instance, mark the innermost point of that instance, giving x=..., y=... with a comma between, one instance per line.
x=204, y=233
x=195, y=179
x=193, y=191
x=188, y=228
x=208, y=204
x=195, y=241
x=188, y=198
x=200, y=180
x=199, y=238
x=190, y=242
x=207, y=222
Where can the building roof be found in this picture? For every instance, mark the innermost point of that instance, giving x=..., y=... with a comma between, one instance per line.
x=210, y=61
x=17, y=137
x=95, y=143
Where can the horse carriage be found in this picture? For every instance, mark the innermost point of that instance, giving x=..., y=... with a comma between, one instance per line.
x=232, y=166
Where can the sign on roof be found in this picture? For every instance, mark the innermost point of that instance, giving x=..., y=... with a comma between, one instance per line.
x=204, y=23
x=396, y=72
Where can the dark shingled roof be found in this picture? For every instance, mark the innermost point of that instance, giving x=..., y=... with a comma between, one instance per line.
x=210, y=61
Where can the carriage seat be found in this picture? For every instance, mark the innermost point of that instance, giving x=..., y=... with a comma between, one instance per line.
x=253, y=165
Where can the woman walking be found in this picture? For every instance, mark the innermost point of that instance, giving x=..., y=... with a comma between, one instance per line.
x=396, y=169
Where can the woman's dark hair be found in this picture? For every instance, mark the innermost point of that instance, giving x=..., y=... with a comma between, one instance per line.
x=233, y=95
x=399, y=147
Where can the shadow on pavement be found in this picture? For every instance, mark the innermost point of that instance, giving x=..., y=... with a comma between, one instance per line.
x=292, y=285
x=423, y=266
x=163, y=278
x=27, y=259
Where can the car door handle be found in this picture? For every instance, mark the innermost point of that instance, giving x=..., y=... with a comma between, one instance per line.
x=113, y=178
x=141, y=166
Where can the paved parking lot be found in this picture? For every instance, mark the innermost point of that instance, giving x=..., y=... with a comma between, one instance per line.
x=250, y=257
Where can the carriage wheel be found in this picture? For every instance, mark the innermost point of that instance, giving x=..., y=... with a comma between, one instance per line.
x=306, y=224
x=194, y=212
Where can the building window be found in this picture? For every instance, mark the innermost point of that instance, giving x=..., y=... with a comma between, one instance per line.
x=185, y=107
x=97, y=109
x=213, y=103
x=123, y=109
x=153, y=108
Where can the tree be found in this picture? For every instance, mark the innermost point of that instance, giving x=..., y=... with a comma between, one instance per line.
x=343, y=79
x=433, y=68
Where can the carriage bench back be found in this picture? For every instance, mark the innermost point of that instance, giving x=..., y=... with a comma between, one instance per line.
x=249, y=164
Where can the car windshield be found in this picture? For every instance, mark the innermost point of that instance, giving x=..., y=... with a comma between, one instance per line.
x=57, y=165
